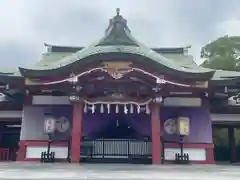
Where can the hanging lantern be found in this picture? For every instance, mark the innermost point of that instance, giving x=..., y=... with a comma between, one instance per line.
x=131, y=109
x=93, y=109
x=147, y=109
x=73, y=79
x=74, y=98
x=159, y=99
x=138, y=109
x=101, y=109
x=117, y=109
x=49, y=125
x=108, y=108
x=85, y=108
x=125, y=109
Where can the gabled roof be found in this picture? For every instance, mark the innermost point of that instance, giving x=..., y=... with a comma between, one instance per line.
x=117, y=41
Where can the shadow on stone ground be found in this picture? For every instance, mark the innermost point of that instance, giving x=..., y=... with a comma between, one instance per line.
x=117, y=171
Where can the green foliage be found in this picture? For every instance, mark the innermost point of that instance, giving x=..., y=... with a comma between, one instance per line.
x=220, y=136
x=222, y=53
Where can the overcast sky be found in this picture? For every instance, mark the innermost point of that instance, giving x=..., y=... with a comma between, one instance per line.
x=26, y=24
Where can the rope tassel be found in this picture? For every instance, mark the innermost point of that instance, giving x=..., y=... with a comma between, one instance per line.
x=117, y=109
x=85, y=108
x=93, y=109
x=101, y=109
x=108, y=108
x=131, y=109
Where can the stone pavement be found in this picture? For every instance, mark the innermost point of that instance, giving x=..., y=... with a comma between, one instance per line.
x=118, y=171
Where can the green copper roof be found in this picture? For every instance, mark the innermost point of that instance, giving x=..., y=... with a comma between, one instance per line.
x=223, y=78
x=226, y=74
x=117, y=39
x=7, y=71
x=179, y=59
x=138, y=50
x=51, y=57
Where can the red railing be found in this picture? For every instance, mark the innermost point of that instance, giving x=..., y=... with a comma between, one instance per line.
x=7, y=154
x=4, y=154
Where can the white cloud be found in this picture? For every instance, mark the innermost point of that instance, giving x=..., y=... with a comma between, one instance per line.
x=230, y=27
x=14, y=23
x=26, y=24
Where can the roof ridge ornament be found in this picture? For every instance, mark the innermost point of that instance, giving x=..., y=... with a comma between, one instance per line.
x=118, y=11
x=117, y=23
x=117, y=33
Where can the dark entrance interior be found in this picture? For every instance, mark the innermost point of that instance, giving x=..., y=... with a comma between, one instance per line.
x=118, y=128
x=9, y=139
x=117, y=142
x=226, y=140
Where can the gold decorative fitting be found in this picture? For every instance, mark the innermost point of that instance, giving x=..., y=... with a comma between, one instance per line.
x=117, y=69
x=116, y=74
x=28, y=81
x=201, y=84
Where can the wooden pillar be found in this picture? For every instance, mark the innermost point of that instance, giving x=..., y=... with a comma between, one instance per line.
x=21, y=152
x=76, y=131
x=156, y=128
x=232, y=144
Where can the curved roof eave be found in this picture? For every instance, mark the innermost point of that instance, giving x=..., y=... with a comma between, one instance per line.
x=225, y=81
x=11, y=77
x=95, y=50
x=226, y=74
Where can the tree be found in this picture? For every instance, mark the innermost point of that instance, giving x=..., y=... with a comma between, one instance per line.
x=223, y=53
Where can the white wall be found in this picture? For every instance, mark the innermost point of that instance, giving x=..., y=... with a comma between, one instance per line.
x=35, y=151
x=182, y=102
x=225, y=117
x=11, y=114
x=51, y=100
x=195, y=154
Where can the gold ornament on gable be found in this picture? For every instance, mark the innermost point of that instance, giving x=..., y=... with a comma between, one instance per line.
x=117, y=69
x=201, y=84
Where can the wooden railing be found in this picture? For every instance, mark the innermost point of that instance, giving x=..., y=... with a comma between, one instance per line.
x=119, y=148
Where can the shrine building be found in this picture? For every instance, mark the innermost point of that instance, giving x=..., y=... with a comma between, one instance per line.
x=129, y=102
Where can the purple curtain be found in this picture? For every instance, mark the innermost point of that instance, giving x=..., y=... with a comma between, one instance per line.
x=93, y=123
x=141, y=123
